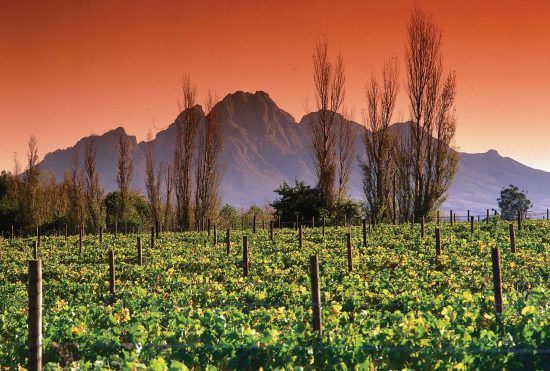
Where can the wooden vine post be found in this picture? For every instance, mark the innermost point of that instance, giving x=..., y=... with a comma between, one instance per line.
x=364, y=232
x=487, y=219
x=422, y=230
x=80, y=240
x=152, y=237
x=350, y=252
x=512, y=238
x=438, y=241
x=215, y=233
x=112, y=288
x=300, y=237
x=35, y=315
x=254, y=223
x=245, y=256
x=472, y=224
x=323, y=226
x=519, y=220
x=35, y=252
x=451, y=217
x=316, y=294
x=139, y=252
x=497, y=280
x=271, y=230
x=100, y=234
x=228, y=240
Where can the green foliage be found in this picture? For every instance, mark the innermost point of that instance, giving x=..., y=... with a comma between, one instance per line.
x=138, y=210
x=302, y=200
x=512, y=201
x=229, y=216
x=188, y=306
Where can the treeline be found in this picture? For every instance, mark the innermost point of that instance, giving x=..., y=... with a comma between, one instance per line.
x=179, y=195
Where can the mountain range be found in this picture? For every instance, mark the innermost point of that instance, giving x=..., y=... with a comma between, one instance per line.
x=264, y=146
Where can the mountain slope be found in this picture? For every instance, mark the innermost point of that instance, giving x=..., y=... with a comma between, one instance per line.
x=264, y=146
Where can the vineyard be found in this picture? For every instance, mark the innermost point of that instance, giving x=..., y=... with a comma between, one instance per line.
x=189, y=304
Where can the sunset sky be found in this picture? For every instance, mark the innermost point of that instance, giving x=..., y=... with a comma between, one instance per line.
x=72, y=68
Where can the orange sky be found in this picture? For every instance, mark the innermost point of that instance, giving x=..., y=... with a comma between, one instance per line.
x=70, y=68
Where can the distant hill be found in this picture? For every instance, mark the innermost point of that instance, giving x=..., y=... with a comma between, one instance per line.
x=264, y=145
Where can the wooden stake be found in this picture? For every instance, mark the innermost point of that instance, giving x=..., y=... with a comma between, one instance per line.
x=300, y=237
x=497, y=280
x=512, y=238
x=364, y=232
x=35, y=252
x=245, y=256
x=316, y=294
x=438, y=241
x=112, y=272
x=139, y=252
x=152, y=237
x=35, y=315
x=472, y=224
x=271, y=230
x=228, y=240
x=422, y=227
x=254, y=223
x=215, y=233
x=350, y=252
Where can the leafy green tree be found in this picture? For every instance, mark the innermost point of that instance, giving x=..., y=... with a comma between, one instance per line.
x=138, y=210
x=302, y=200
x=511, y=201
x=229, y=216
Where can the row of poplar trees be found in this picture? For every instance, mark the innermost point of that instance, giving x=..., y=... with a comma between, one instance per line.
x=407, y=168
x=179, y=193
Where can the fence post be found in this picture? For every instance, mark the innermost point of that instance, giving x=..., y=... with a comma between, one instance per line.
x=157, y=231
x=497, y=280
x=100, y=234
x=139, y=252
x=422, y=227
x=152, y=237
x=487, y=220
x=438, y=241
x=350, y=252
x=323, y=226
x=12, y=231
x=512, y=238
x=451, y=217
x=35, y=315
x=254, y=223
x=35, y=252
x=245, y=256
x=271, y=230
x=300, y=237
x=313, y=222
x=116, y=229
x=112, y=272
x=468, y=216
x=228, y=240
x=279, y=221
x=315, y=294
x=472, y=224
x=208, y=226
x=519, y=220
x=364, y=232
x=547, y=213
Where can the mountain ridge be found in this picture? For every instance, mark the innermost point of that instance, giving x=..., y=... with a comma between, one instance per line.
x=265, y=145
